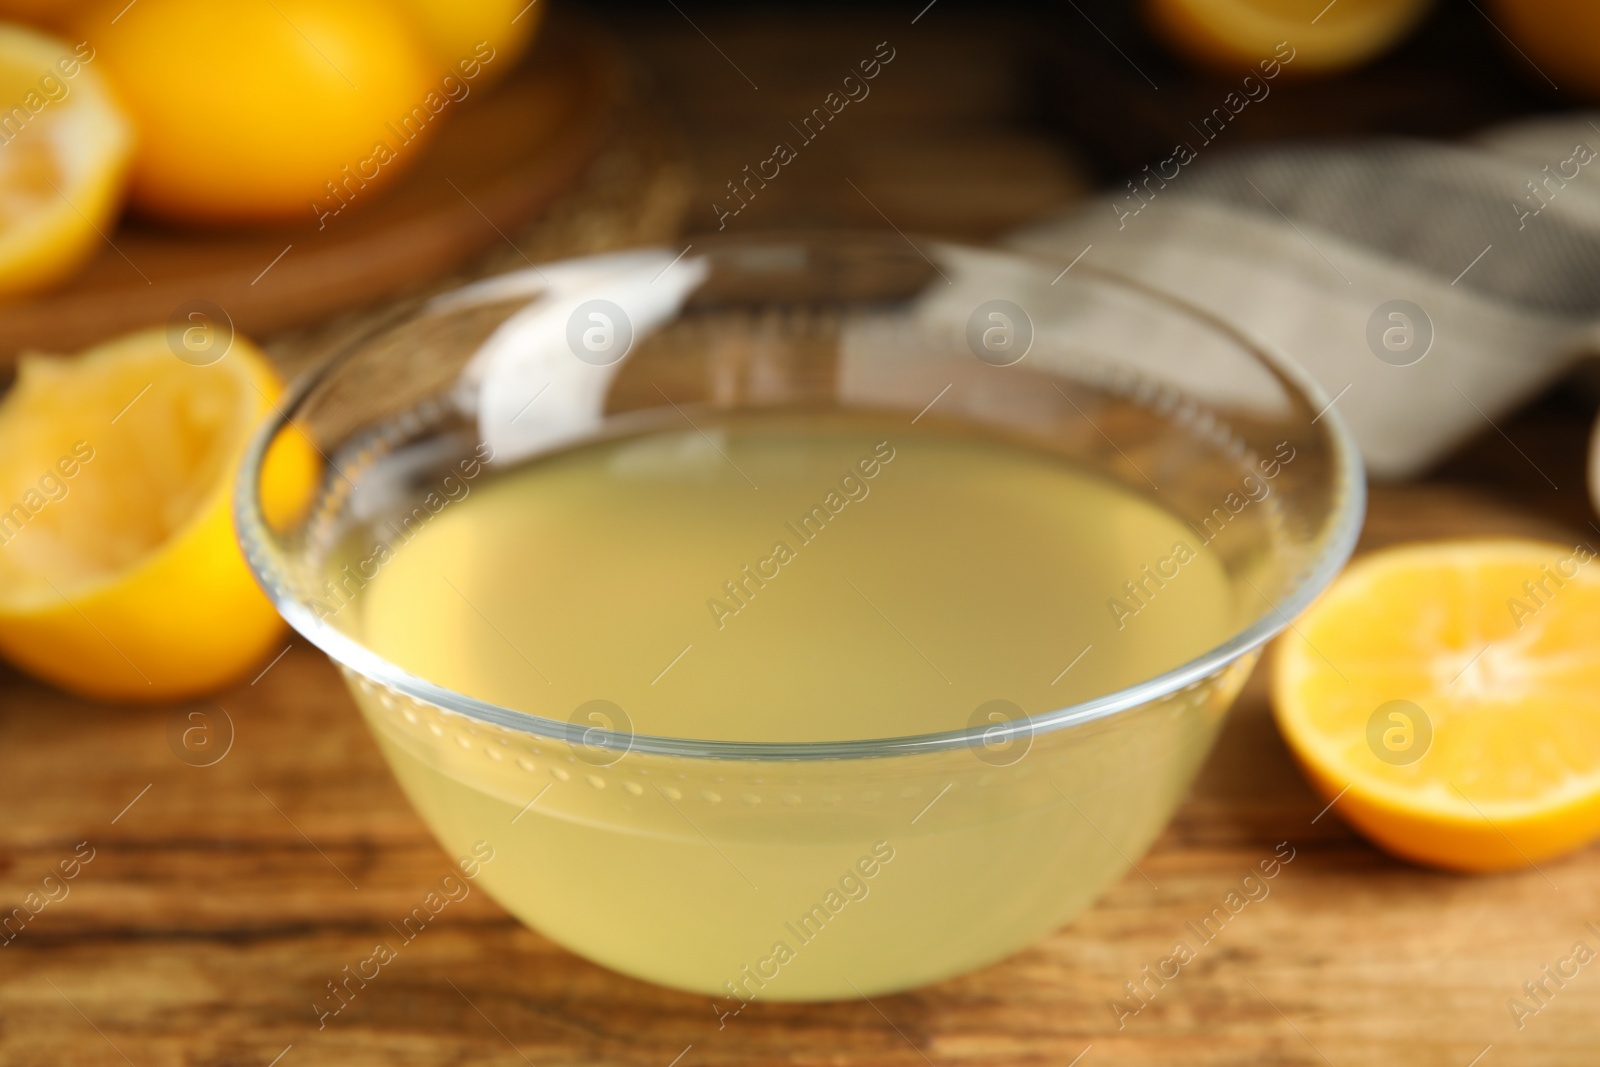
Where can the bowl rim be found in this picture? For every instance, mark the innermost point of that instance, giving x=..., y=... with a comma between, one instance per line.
x=1339, y=536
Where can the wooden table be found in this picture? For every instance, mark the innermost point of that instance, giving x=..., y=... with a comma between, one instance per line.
x=221, y=899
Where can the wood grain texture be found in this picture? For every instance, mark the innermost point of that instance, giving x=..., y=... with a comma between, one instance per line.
x=219, y=904
x=941, y=143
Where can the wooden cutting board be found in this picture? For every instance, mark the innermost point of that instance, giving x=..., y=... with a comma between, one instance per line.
x=491, y=168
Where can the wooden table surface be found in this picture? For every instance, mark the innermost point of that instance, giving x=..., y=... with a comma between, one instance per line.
x=219, y=900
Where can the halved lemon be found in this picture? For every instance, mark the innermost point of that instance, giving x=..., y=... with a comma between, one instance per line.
x=1298, y=36
x=1445, y=698
x=64, y=154
x=120, y=578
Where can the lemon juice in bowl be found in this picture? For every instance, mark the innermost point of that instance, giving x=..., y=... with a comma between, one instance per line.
x=955, y=571
x=803, y=695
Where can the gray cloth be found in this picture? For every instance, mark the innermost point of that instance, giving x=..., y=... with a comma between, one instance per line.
x=1488, y=252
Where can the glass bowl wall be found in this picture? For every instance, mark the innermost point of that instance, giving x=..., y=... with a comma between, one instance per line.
x=739, y=870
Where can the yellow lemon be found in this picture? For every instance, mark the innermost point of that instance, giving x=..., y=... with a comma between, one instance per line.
x=120, y=578
x=1559, y=37
x=258, y=110
x=1445, y=697
x=1320, y=37
x=64, y=150
x=478, y=39
x=51, y=14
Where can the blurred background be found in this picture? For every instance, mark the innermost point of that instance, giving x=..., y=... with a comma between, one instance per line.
x=187, y=179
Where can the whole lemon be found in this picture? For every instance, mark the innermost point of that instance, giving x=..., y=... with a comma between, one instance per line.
x=1298, y=37
x=1559, y=38
x=494, y=33
x=261, y=110
x=51, y=14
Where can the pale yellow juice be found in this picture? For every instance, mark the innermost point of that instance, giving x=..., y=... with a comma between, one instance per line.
x=796, y=578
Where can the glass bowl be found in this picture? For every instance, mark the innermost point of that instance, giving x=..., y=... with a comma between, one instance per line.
x=825, y=869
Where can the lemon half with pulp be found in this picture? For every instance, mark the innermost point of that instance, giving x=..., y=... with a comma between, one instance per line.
x=64, y=153
x=120, y=578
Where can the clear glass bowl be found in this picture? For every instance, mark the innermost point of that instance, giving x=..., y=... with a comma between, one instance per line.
x=829, y=870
